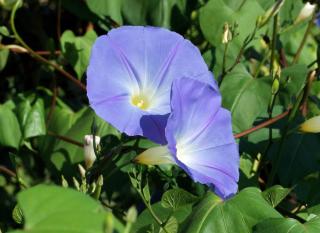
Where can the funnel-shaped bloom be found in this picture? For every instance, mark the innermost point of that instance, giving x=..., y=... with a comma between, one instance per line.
x=130, y=74
x=200, y=140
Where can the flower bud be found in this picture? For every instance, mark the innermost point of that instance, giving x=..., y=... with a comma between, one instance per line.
x=82, y=171
x=89, y=154
x=131, y=215
x=16, y=48
x=100, y=181
x=64, y=182
x=272, y=11
x=311, y=126
x=275, y=86
x=305, y=12
x=76, y=183
x=227, y=34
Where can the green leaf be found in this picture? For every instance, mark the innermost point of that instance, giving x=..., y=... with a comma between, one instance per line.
x=55, y=209
x=300, y=157
x=4, y=31
x=145, y=219
x=146, y=229
x=23, y=108
x=247, y=176
x=275, y=194
x=80, y=10
x=60, y=122
x=4, y=54
x=216, y=12
x=289, y=12
x=65, y=153
x=308, y=191
x=176, y=198
x=292, y=81
x=146, y=192
x=286, y=225
x=33, y=119
x=76, y=49
x=153, y=12
x=245, y=97
x=17, y=215
x=10, y=133
x=171, y=226
x=291, y=39
x=110, y=8
x=239, y=214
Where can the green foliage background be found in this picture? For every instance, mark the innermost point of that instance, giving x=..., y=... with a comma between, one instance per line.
x=44, y=114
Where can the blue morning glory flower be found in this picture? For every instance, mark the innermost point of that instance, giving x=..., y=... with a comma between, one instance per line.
x=200, y=139
x=130, y=74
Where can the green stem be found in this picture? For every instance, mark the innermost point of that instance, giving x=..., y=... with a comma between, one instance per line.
x=224, y=62
x=273, y=43
x=37, y=56
x=168, y=178
x=147, y=204
x=274, y=95
x=261, y=64
x=246, y=42
x=278, y=157
x=97, y=191
x=304, y=39
x=118, y=168
x=153, y=214
x=127, y=229
x=241, y=5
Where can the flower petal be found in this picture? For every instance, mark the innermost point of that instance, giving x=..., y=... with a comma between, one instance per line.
x=135, y=60
x=155, y=156
x=311, y=125
x=199, y=134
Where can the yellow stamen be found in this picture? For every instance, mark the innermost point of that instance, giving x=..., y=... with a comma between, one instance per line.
x=140, y=101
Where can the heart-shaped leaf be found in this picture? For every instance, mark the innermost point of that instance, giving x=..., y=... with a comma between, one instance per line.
x=239, y=214
x=48, y=209
x=76, y=49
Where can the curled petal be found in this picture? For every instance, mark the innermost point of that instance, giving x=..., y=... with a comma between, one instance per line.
x=155, y=156
x=199, y=134
x=311, y=126
x=130, y=75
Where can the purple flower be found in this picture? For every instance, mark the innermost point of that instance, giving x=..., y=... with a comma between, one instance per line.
x=200, y=140
x=130, y=75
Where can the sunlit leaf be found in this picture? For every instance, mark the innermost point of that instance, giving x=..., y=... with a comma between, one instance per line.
x=76, y=49
x=246, y=98
x=286, y=225
x=176, y=198
x=239, y=214
x=275, y=194
x=62, y=210
x=110, y=8
x=10, y=133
